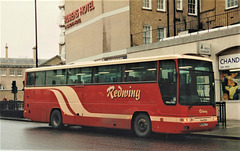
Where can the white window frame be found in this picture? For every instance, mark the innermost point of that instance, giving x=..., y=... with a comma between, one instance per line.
x=3, y=72
x=159, y=5
x=1, y=87
x=19, y=73
x=144, y=4
x=147, y=34
x=234, y=5
x=195, y=13
x=179, y=4
x=12, y=73
x=163, y=32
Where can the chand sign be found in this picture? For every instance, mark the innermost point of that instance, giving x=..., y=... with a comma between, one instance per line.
x=74, y=17
x=229, y=62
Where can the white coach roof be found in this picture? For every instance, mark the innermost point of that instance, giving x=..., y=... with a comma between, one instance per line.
x=115, y=62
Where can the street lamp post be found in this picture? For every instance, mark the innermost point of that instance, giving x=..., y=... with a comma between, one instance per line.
x=36, y=33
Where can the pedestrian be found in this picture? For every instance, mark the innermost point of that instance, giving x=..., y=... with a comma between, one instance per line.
x=4, y=99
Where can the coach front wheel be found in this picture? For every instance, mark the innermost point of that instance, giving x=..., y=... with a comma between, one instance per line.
x=56, y=119
x=142, y=125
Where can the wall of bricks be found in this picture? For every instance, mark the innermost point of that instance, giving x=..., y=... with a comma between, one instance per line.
x=140, y=16
x=10, y=96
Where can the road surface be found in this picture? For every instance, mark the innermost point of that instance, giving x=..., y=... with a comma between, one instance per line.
x=19, y=135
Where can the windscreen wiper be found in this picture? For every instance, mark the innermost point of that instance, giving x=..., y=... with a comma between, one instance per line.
x=213, y=104
x=196, y=103
x=190, y=107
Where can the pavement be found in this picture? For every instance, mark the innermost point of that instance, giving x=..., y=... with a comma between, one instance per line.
x=229, y=131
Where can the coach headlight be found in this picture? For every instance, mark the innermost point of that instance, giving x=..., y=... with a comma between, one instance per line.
x=186, y=119
x=215, y=118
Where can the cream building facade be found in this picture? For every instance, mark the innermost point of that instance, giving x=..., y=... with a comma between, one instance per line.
x=103, y=27
x=13, y=69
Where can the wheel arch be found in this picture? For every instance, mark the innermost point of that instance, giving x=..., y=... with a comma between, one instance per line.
x=53, y=109
x=135, y=115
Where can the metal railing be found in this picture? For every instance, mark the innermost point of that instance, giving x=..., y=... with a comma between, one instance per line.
x=207, y=23
x=11, y=105
x=221, y=112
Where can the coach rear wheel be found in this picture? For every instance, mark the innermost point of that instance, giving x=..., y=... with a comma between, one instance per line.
x=56, y=119
x=142, y=125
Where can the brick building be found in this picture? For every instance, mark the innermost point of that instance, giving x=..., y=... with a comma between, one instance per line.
x=159, y=19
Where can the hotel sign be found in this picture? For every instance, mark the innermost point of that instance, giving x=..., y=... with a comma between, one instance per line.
x=74, y=17
x=229, y=62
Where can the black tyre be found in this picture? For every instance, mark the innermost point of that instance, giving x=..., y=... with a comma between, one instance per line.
x=142, y=125
x=56, y=119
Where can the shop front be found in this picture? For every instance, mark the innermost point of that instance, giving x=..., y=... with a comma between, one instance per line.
x=229, y=68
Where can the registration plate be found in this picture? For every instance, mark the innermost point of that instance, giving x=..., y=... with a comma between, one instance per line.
x=204, y=124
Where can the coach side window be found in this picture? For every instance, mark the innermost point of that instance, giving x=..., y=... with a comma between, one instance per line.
x=56, y=77
x=107, y=74
x=168, y=81
x=40, y=78
x=79, y=76
x=138, y=72
x=30, y=79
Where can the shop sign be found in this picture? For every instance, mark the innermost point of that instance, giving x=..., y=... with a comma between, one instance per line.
x=229, y=62
x=115, y=58
x=74, y=17
x=204, y=49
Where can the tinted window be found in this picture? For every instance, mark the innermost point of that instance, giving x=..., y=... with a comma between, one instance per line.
x=40, y=78
x=107, y=74
x=30, y=78
x=137, y=72
x=195, y=65
x=168, y=81
x=79, y=76
x=196, y=82
x=56, y=77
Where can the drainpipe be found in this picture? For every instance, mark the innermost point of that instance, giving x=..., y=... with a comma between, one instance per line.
x=174, y=17
x=168, y=32
x=198, y=14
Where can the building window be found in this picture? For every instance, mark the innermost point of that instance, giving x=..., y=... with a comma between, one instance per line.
x=3, y=72
x=1, y=87
x=179, y=5
x=161, y=33
x=19, y=73
x=147, y=34
x=12, y=73
x=147, y=4
x=161, y=5
x=231, y=4
x=192, y=7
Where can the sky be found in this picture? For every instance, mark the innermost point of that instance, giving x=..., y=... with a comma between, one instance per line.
x=17, y=28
